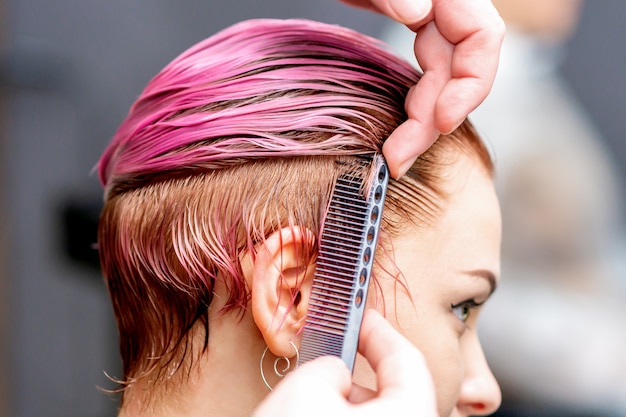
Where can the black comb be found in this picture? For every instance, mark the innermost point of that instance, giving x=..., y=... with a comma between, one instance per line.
x=344, y=267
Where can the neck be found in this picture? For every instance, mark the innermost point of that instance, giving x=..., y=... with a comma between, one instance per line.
x=225, y=380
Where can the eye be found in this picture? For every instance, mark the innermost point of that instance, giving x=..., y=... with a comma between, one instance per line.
x=464, y=309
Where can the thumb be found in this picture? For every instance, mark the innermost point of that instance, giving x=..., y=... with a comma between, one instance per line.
x=404, y=380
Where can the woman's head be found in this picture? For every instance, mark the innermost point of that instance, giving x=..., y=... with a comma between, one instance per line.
x=218, y=180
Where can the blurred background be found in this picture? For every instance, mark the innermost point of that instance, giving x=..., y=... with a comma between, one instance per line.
x=70, y=69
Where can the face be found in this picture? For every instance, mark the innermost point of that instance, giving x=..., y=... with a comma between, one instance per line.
x=450, y=269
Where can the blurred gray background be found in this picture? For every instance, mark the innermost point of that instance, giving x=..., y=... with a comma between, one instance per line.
x=69, y=70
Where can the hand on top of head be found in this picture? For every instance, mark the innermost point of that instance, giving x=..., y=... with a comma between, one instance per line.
x=457, y=44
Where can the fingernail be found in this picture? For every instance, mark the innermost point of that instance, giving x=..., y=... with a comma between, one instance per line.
x=410, y=11
x=405, y=166
x=455, y=126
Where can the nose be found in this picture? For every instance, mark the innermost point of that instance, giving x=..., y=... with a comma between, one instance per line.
x=480, y=393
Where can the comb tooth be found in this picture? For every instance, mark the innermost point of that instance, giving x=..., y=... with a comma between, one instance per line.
x=350, y=203
x=333, y=230
x=330, y=320
x=333, y=282
x=341, y=292
x=328, y=325
x=339, y=246
x=315, y=329
x=335, y=299
x=336, y=266
x=343, y=183
x=329, y=305
x=335, y=270
x=344, y=213
x=334, y=276
x=345, y=240
x=333, y=233
x=329, y=282
x=337, y=293
x=336, y=313
x=331, y=327
x=349, y=192
x=326, y=340
x=337, y=241
x=323, y=348
x=353, y=187
x=326, y=315
x=347, y=199
x=343, y=244
x=327, y=334
x=342, y=254
x=339, y=214
x=342, y=210
x=338, y=233
x=326, y=258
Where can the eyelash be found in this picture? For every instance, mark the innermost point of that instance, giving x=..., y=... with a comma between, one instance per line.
x=466, y=309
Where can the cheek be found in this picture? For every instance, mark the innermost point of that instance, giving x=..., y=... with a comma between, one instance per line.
x=429, y=328
x=446, y=366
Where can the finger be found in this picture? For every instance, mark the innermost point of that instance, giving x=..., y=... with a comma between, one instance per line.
x=408, y=12
x=477, y=30
x=325, y=377
x=326, y=373
x=458, y=19
x=402, y=374
x=413, y=137
x=406, y=143
x=360, y=394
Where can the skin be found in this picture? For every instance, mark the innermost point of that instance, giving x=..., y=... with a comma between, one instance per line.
x=456, y=260
x=457, y=44
x=403, y=379
x=425, y=316
x=423, y=337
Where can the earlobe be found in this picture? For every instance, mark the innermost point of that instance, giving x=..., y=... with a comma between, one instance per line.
x=280, y=281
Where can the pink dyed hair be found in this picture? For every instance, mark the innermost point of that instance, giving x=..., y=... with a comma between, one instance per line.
x=241, y=135
x=265, y=59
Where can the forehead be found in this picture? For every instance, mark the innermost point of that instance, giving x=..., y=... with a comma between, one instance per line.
x=465, y=232
x=471, y=222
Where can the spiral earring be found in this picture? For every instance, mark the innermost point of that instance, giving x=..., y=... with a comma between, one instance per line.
x=280, y=373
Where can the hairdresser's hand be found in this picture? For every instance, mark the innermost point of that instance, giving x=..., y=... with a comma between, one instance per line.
x=458, y=47
x=323, y=387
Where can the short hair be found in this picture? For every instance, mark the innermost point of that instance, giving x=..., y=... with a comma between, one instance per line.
x=241, y=135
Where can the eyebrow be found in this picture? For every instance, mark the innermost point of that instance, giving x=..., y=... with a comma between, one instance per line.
x=485, y=274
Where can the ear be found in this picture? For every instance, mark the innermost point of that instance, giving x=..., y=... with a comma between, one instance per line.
x=280, y=278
